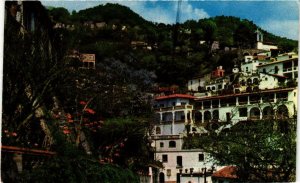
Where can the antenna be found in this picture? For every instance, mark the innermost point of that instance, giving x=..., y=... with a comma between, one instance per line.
x=176, y=26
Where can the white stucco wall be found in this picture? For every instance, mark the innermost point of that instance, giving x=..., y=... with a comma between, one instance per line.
x=190, y=159
x=262, y=46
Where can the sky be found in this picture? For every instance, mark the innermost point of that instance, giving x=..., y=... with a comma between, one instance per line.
x=277, y=16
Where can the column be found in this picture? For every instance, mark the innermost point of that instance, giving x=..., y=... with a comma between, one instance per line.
x=211, y=104
x=202, y=105
x=185, y=116
x=219, y=103
x=293, y=75
x=261, y=101
x=248, y=98
x=275, y=99
x=173, y=123
x=236, y=101
x=260, y=114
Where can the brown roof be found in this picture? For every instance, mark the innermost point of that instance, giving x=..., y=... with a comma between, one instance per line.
x=228, y=172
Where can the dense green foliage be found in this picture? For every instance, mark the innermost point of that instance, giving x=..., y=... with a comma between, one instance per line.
x=50, y=102
x=176, y=53
x=263, y=151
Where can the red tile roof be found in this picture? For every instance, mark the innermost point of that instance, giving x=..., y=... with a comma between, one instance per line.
x=228, y=172
x=175, y=96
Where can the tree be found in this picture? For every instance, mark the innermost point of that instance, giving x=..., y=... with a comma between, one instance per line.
x=262, y=151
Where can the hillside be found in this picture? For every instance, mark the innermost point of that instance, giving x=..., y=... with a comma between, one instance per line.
x=173, y=53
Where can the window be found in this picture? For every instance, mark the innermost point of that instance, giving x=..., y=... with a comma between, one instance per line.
x=264, y=70
x=219, y=87
x=228, y=116
x=213, y=88
x=208, y=88
x=198, y=117
x=165, y=158
x=276, y=69
x=172, y=144
x=183, y=103
x=243, y=112
x=179, y=160
x=158, y=131
x=216, y=115
x=161, y=144
x=246, y=69
x=266, y=79
x=168, y=172
x=173, y=103
x=201, y=157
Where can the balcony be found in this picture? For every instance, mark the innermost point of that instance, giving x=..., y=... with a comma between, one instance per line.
x=179, y=107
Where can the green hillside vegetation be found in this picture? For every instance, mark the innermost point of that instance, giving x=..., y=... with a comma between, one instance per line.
x=173, y=58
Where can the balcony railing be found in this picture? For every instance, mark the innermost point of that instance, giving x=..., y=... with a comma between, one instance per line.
x=174, y=108
x=289, y=69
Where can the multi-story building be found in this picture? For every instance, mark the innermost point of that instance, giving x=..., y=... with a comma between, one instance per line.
x=174, y=114
x=258, y=89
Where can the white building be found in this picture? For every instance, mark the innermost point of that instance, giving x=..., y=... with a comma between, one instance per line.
x=175, y=120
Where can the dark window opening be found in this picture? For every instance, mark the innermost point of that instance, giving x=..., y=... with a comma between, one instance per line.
x=201, y=157
x=198, y=117
x=179, y=160
x=161, y=144
x=215, y=114
x=172, y=144
x=165, y=158
x=276, y=69
x=243, y=112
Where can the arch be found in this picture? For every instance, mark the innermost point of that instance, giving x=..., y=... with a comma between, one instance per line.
x=157, y=130
x=249, y=89
x=246, y=54
x=198, y=117
x=268, y=112
x=243, y=82
x=254, y=113
x=172, y=144
x=215, y=115
x=237, y=90
x=207, y=116
x=256, y=81
x=249, y=81
x=282, y=112
x=161, y=177
x=256, y=89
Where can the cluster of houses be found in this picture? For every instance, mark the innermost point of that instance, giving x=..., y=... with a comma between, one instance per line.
x=262, y=86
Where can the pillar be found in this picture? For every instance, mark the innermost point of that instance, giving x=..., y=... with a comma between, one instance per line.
x=173, y=123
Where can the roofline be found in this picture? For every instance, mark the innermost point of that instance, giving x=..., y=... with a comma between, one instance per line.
x=243, y=94
x=23, y=150
x=275, y=62
x=186, y=96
